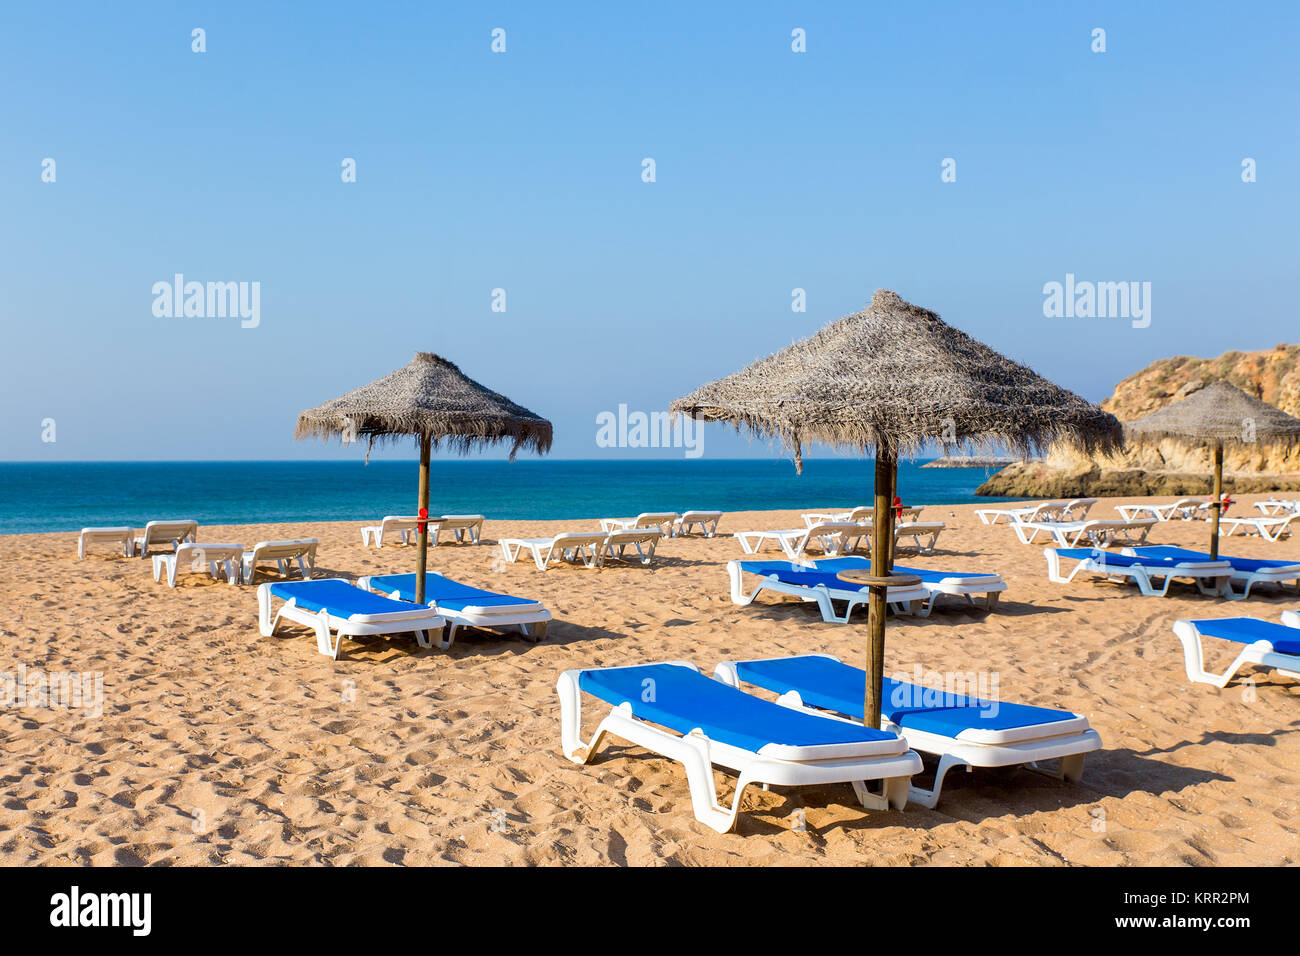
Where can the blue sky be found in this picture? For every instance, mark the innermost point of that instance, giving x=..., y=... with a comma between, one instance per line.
x=476, y=170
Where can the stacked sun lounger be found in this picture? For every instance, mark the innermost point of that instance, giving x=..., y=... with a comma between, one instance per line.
x=591, y=548
x=815, y=584
x=706, y=521
x=1099, y=532
x=1184, y=509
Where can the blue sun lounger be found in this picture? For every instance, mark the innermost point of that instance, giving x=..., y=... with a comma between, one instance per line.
x=1267, y=645
x=963, y=731
x=815, y=583
x=465, y=606
x=1246, y=572
x=673, y=710
x=333, y=604
x=1210, y=577
x=957, y=583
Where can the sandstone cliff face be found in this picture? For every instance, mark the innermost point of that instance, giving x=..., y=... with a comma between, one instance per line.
x=1170, y=468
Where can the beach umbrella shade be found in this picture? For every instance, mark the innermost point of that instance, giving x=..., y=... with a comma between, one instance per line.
x=439, y=406
x=1217, y=415
x=892, y=379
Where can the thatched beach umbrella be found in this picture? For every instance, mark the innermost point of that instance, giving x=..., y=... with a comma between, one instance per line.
x=1218, y=414
x=432, y=400
x=894, y=378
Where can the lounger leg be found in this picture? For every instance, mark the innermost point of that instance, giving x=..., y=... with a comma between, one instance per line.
x=324, y=644
x=264, y=622
x=894, y=792
x=1072, y=767
x=422, y=638
x=1194, y=658
x=448, y=636
x=991, y=600
x=535, y=632
x=930, y=798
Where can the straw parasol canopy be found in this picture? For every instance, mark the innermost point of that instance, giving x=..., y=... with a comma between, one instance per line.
x=440, y=406
x=893, y=378
x=1218, y=414
x=429, y=397
x=896, y=377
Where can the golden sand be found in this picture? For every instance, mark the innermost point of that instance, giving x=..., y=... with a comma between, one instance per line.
x=217, y=745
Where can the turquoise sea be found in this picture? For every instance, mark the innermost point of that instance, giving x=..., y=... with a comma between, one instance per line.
x=69, y=496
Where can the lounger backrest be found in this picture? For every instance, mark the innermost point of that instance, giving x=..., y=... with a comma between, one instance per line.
x=157, y=532
x=279, y=550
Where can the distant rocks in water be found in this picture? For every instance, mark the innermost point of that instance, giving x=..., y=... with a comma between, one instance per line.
x=972, y=461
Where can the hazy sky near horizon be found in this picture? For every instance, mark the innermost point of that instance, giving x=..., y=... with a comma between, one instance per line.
x=775, y=170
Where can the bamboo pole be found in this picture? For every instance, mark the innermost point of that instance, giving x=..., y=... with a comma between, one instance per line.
x=882, y=537
x=422, y=558
x=1216, y=506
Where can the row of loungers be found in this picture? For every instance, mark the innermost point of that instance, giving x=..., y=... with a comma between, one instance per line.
x=837, y=537
x=186, y=553
x=814, y=733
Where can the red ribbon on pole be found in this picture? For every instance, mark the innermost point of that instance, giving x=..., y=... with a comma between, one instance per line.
x=898, y=508
x=421, y=525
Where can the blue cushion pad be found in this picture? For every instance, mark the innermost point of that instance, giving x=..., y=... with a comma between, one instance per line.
x=839, y=687
x=1165, y=552
x=1248, y=630
x=336, y=597
x=444, y=592
x=683, y=699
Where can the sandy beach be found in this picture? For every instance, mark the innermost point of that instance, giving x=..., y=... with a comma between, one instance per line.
x=217, y=745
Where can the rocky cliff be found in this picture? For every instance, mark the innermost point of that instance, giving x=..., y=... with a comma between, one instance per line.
x=1171, y=469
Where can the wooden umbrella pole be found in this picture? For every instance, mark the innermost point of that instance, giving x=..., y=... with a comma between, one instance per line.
x=1216, y=506
x=422, y=558
x=882, y=533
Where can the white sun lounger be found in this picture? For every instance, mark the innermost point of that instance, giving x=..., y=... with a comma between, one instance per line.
x=465, y=528
x=643, y=540
x=164, y=534
x=916, y=530
x=861, y=515
x=302, y=551
x=465, y=606
x=962, y=731
x=1291, y=618
x=1267, y=645
x=334, y=605
x=817, y=584
x=1183, y=509
x=1246, y=572
x=1277, y=507
x=1210, y=577
x=673, y=710
x=829, y=535
x=402, y=526
x=1076, y=509
x=663, y=521
x=1039, y=511
x=1098, y=531
x=122, y=536
x=706, y=520
x=585, y=546
x=1270, y=529
x=195, y=556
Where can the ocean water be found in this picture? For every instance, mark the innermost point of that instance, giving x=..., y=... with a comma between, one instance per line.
x=70, y=496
